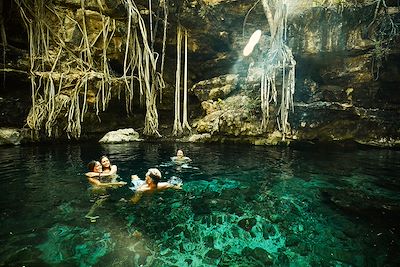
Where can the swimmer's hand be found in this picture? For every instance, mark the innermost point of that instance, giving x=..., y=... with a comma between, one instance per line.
x=117, y=184
x=134, y=177
x=175, y=182
x=177, y=186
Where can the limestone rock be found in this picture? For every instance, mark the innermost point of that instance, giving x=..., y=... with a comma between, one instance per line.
x=273, y=138
x=215, y=88
x=200, y=137
x=120, y=136
x=231, y=117
x=10, y=136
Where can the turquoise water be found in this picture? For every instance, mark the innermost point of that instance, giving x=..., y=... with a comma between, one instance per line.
x=240, y=206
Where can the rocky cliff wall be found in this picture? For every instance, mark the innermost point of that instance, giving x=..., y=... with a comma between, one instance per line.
x=347, y=71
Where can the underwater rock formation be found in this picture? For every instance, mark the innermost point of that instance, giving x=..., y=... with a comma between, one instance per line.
x=364, y=205
x=75, y=245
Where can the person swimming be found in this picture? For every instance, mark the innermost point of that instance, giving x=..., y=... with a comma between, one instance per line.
x=108, y=168
x=151, y=184
x=98, y=178
x=180, y=158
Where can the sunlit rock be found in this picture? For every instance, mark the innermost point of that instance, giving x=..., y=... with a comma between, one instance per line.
x=218, y=87
x=273, y=138
x=120, y=136
x=10, y=136
x=200, y=137
x=231, y=117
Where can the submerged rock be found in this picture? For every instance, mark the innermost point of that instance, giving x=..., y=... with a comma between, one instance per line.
x=362, y=204
x=260, y=256
x=247, y=223
x=74, y=244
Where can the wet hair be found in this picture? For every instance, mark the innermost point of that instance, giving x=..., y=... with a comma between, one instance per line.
x=92, y=164
x=154, y=174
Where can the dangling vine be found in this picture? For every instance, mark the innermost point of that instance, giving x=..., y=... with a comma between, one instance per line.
x=185, y=123
x=279, y=61
x=178, y=125
x=145, y=63
x=164, y=4
x=75, y=76
x=177, y=129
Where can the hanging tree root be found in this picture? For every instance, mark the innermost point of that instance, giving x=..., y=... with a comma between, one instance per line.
x=146, y=66
x=185, y=123
x=60, y=83
x=279, y=62
x=177, y=129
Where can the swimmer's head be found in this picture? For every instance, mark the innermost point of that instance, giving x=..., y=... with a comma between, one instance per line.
x=154, y=174
x=105, y=162
x=94, y=166
x=179, y=153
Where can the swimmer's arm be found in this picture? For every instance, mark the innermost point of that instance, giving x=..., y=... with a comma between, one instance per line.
x=99, y=174
x=164, y=185
x=113, y=170
x=92, y=174
x=96, y=182
x=134, y=177
x=112, y=184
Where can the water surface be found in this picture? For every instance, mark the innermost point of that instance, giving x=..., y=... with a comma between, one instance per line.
x=240, y=206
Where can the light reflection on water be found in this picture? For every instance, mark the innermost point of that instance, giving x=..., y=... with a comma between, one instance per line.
x=241, y=205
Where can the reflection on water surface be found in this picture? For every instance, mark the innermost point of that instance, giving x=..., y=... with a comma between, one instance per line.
x=240, y=206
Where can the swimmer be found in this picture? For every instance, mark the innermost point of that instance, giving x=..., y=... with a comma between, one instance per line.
x=95, y=168
x=180, y=158
x=96, y=176
x=150, y=184
x=107, y=167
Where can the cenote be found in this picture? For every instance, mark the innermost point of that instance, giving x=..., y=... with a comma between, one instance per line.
x=240, y=206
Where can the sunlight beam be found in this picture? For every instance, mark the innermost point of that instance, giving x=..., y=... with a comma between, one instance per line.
x=254, y=39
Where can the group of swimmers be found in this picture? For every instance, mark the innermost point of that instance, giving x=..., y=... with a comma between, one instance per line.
x=103, y=174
